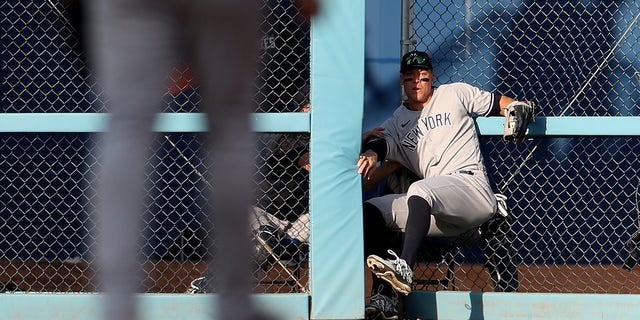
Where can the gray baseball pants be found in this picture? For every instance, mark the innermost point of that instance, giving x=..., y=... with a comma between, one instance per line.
x=458, y=203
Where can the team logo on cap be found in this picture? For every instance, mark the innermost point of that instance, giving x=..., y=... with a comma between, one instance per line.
x=414, y=58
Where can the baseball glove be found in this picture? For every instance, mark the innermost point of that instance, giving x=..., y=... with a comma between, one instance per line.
x=518, y=115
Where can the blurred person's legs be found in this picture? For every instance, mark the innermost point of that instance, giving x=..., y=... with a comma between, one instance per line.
x=224, y=51
x=131, y=43
x=133, y=46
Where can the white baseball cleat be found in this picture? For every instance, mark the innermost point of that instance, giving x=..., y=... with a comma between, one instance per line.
x=396, y=272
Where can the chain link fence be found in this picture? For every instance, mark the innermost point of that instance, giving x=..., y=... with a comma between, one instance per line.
x=46, y=186
x=573, y=201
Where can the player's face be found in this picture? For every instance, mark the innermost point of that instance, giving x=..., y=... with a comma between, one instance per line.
x=418, y=85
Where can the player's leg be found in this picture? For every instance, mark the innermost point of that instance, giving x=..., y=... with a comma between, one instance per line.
x=445, y=206
x=385, y=265
x=415, y=214
x=129, y=50
x=378, y=238
x=458, y=202
x=439, y=206
x=417, y=227
x=223, y=46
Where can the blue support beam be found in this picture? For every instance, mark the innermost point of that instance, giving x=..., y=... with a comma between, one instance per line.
x=301, y=122
x=166, y=122
x=337, y=99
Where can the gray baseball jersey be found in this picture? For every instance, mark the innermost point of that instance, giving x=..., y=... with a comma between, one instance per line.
x=440, y=144
x=442, y=138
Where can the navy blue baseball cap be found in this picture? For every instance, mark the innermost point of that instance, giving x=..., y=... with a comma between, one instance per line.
x=415, y=60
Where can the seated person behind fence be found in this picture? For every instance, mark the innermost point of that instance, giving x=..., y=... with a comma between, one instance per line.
x=281, y=217
x=434, y=136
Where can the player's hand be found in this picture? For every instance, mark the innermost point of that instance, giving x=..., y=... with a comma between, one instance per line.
x=518, y=115
x=376, y=132
x=367, y=163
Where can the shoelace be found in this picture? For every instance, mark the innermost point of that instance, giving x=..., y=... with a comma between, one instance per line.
x=401, y=267
x=382, y=302
x=196, y=285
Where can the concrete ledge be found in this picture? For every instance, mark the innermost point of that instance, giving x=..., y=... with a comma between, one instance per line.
x=28, y=306
x=512, y=306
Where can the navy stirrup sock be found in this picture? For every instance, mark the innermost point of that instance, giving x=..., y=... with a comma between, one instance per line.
x=418, y=223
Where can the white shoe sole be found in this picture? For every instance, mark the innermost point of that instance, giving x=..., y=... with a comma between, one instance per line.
x=382, y=272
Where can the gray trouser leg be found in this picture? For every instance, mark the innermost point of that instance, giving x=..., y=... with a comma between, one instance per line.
x=133, y=45
x=224, y=48
x=131, y=50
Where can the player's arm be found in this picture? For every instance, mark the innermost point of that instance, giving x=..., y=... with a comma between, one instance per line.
x=500, y=103
x=374, y=150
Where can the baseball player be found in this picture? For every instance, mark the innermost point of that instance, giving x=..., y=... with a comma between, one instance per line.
x=433, y=134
